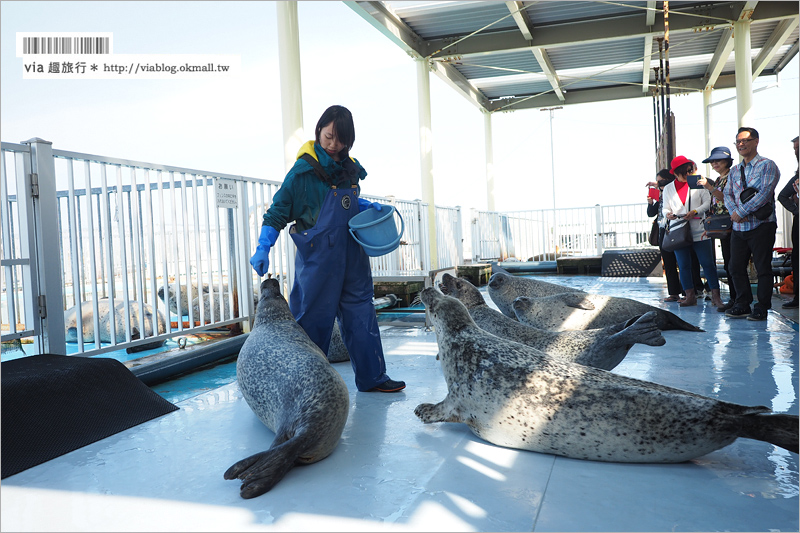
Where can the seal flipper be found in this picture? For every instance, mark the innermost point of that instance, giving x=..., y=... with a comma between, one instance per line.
x=441, y=412
x=780, y=430
x=262, y=471
x=667, y=320
x=643, y=330
x=577, y=300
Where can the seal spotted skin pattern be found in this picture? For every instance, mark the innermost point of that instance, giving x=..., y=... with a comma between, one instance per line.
x=574, y=310
x=294, y=391
x=600, y=348
x=513, y=396
x=504, y=287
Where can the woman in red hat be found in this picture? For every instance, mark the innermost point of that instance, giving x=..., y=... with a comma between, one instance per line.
x=682, y=202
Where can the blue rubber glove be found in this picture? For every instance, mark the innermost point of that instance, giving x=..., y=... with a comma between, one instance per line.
x=267, y=239
x=363, y=205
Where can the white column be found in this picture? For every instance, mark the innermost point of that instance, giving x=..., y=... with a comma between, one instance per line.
x=744, y=71
x=487, y=139
x=291, y=88
x=707, y=126
x=426, y=154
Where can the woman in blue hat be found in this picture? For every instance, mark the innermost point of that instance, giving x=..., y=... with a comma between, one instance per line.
x=721, y=161
x=332, y=278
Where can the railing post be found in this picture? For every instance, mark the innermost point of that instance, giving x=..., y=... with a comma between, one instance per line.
x=48, y=264
x=598, y=214
x=459, y=238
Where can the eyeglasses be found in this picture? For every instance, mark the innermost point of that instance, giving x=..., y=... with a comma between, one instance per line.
x=737, y=142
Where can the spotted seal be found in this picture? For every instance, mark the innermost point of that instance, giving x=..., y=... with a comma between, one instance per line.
x=600, y=348
x=573, y=311
x=294, y=391
x=139, y=325
x=201, y=296
x=504, y=287
x=511, y=395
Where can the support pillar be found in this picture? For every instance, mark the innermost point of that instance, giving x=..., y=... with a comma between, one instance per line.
x=487, y=139
x=291, y=88
x=426, y=154
x=707, y=126
x=744, y=71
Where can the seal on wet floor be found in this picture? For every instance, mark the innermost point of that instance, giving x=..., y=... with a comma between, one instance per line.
x=511, y=395
x=600, y=348
x=292, y=388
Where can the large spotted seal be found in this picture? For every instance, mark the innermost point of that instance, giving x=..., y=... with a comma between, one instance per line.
x=291, y=387
x=571, y=310
x=511, y=395
x=600, y=348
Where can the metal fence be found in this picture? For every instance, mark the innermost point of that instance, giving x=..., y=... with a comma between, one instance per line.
x=139, y=253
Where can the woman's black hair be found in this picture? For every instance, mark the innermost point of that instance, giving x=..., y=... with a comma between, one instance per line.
x=684, y=169
x=664, y=177
x=342, y=124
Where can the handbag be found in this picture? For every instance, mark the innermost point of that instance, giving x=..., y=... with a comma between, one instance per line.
x=654, y=234
x=678, y=233
x=717, y=226
x=763, y=212
x=677, y=236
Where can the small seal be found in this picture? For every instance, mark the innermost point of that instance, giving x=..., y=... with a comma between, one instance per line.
x=504, y=287
x=511, y=395
x=289, y=384
x=600, y=348
x=571, y=310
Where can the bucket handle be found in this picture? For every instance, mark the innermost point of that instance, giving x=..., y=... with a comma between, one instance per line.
x=388, y=246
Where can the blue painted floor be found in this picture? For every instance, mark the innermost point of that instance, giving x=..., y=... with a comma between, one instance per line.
x=390, y=472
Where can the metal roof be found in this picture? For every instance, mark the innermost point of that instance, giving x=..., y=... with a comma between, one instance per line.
x=505, y=56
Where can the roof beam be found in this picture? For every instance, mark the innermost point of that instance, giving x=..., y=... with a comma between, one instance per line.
x=607, y=29
x=619, y=92
x=782, y=32
x=390, y=25
x=649, y=20
x=456, y=80
x=725, y=47
x=524, y=25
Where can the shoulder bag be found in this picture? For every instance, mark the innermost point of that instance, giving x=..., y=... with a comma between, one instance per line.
x=717, y=226
x=678, y=233
x=763, y=212
x=654, y=233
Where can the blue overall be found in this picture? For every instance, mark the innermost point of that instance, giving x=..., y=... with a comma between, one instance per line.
x=333, y=279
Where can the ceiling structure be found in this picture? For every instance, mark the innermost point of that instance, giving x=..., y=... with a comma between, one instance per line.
x=507, y=56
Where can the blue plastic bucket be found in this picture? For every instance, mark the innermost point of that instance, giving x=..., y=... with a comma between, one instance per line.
x=376, y=231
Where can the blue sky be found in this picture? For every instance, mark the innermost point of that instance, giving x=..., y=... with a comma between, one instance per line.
x=603, y=152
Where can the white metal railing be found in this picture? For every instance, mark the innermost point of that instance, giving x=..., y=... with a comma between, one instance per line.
x=151, y=237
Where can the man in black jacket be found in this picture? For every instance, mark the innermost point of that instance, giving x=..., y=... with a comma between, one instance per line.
x=788, y=199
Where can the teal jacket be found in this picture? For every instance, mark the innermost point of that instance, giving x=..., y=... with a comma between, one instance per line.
x=301, y=196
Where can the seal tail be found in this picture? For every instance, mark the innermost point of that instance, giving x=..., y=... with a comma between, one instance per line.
x=667, y=320
x=641, y=330
x=780, y=429
x=262, y=471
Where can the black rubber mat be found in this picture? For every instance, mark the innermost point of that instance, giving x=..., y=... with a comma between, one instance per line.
x=53, y=404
